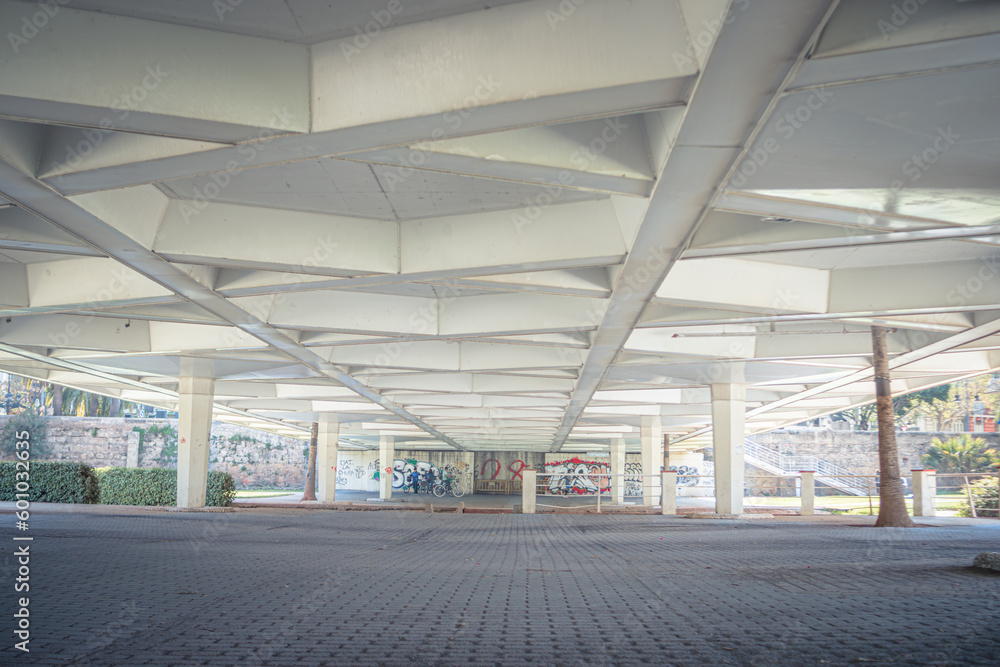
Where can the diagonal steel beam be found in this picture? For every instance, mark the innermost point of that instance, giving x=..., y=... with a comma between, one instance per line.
x=49, y=205
x=701, y=160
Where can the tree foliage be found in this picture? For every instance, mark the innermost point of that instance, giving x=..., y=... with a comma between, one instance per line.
x=17, y=425
x=961, y=454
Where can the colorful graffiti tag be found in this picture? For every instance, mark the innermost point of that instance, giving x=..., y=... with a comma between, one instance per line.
x=401, y=469
x=686, y=475
x=633, y=479
x=577, y=476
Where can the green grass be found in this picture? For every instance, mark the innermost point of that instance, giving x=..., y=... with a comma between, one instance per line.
x=851, y=504
x=265, y=493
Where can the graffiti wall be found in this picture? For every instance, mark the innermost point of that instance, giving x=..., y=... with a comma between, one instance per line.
x=359, y=470
x=576, y=476
x=506, y=465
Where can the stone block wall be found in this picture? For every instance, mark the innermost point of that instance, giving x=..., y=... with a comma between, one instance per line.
x=254, y=458
x=856, y=450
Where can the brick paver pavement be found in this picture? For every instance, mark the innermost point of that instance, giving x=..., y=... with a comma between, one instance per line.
x=312, y=587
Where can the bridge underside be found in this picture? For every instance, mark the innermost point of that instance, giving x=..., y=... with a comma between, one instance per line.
x=531, y=226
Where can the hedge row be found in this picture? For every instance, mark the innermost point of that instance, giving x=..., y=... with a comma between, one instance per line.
x=59, y=482
x=158, y=486
x=49, y=481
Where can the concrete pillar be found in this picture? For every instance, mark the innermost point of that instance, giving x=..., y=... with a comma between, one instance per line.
x=530, y=478
x=194, y=428
x=668, y=492
x=728, y=415
x=666, y=452
x=618, y=468
x=808, y=485
x=924, y=489
x=326, y=458
x=132, y=453
x=386, y=455
x=651, y=439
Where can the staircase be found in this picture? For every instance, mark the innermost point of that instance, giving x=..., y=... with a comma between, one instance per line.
x=790, y=466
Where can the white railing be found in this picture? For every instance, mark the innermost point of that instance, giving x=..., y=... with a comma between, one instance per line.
x=787, y=465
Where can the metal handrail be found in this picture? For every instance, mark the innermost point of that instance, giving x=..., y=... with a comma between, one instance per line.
x=788, y=465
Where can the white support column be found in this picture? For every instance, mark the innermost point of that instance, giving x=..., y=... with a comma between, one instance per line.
x=618, y=468
x=651, y=437
x=808, y=485
x=924, y=487
x=326, y=458
x=530, y=478
x=668, y=492
x=386, y=455
x=728, y=416
x=132, y=453
x=194, y=428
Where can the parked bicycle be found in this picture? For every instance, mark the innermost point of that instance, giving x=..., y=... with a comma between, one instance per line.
x=450, y=487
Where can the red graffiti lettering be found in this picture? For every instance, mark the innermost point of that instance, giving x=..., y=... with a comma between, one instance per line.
x=482, y=470
x=517, y=473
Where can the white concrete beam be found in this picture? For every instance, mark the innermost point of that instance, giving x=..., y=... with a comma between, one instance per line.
x=610, y=43
x=66, y=74
x=746, y=284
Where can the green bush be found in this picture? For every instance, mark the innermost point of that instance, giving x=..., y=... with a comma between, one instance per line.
x=157, y=486
x=51, y=482
x=986, y=496
x=34, y=424
x=221, y=489
x=963, y=453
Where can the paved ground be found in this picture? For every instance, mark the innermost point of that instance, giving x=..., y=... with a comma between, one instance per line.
x=125, y=586
x=483, y=500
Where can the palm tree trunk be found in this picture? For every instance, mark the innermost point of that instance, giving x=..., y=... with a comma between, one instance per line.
x=57, y=400
x=116, y=407
x=92, y=405
x=310, y=492
x=892, y=504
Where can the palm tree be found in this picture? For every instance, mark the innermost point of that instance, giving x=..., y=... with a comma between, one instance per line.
x=961, y=454
x=55, y=399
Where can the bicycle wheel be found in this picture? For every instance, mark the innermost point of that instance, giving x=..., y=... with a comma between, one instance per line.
x=406, y=488
x=457, y=490
x=439, y=491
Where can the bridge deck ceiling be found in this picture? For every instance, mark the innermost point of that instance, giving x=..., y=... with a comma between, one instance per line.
x=468, y=236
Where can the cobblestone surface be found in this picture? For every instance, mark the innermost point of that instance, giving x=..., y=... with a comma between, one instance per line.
x=301, y=587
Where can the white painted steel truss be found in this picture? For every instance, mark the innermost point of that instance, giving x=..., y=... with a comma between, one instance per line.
x=494, y=224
